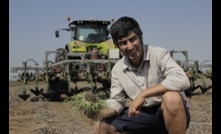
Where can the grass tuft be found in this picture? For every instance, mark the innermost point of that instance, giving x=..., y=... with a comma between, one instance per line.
x=88, y=104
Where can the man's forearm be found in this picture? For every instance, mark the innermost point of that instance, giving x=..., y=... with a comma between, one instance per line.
x=108, y=113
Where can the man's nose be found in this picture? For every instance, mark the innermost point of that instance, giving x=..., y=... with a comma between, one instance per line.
x=129, y=45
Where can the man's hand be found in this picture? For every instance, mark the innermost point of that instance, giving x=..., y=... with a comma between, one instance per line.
x=135, y=106
x=138, y=102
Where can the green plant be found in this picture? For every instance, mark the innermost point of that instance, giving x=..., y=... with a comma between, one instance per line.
x=88, y=104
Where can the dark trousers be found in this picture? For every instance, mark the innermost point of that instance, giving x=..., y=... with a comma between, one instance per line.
x=150, y=120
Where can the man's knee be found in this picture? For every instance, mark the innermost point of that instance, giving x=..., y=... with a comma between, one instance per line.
x=172, y=101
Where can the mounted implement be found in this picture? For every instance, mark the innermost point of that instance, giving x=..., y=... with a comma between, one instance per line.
x=89, y=56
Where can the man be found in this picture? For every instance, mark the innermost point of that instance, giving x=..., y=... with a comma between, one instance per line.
x=149, y=76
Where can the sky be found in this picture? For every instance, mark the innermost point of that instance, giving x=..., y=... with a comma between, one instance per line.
x=171, y=24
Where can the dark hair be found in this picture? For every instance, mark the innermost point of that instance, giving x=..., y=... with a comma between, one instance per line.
x=123, y=26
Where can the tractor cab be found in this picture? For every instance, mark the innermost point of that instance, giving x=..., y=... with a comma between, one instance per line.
x=88, y=36
x=90, y=31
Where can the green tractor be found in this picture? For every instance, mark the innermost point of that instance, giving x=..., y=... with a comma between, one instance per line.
x=89, y=56
x=89, y=40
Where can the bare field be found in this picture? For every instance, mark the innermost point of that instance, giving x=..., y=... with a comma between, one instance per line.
x=38, y=116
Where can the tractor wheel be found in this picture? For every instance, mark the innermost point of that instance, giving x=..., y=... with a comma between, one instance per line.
x=188, y=92
x=54, y=90
x=64, y=87
x=106, y=85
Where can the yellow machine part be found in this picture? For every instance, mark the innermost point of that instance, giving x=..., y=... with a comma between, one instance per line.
x=78, y=46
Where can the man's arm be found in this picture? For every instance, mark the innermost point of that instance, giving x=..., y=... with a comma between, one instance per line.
x=175, y=80
x=108, y=113
x=138, y=102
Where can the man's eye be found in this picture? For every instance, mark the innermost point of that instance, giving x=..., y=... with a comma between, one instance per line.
x=133, y=39
x=122, y=43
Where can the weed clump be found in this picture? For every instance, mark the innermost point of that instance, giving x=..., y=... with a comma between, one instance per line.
x=89, y=104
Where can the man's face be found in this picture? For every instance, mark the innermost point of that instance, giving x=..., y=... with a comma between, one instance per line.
x=131, y=47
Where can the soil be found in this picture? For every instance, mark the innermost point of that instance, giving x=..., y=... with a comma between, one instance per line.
x=36, y=115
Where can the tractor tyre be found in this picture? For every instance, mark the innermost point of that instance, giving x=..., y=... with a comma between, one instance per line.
x=106, y=85
x=54, y=90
